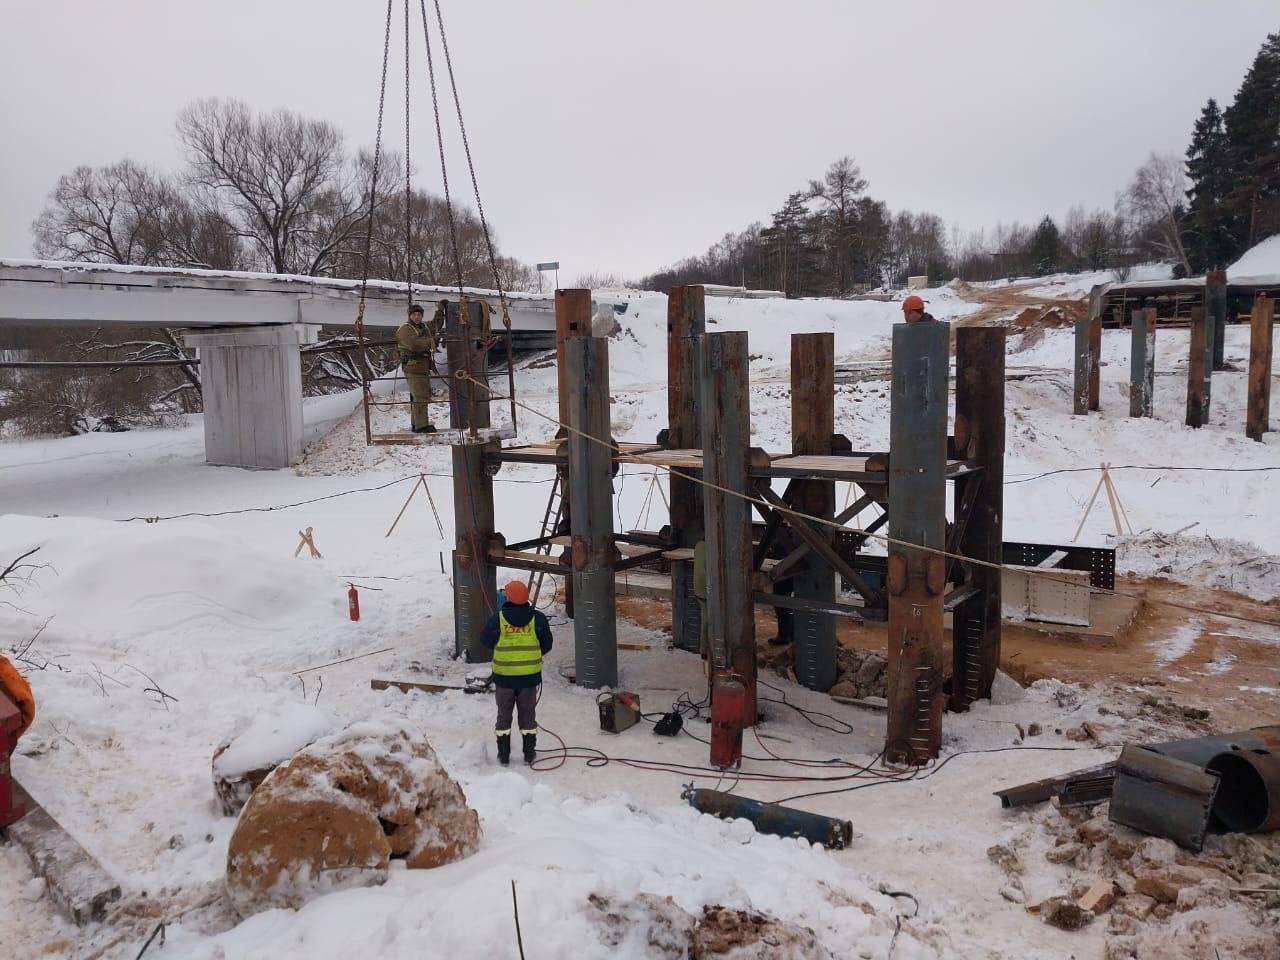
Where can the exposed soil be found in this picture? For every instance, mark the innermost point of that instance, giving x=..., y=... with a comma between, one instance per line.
x=1228, y=666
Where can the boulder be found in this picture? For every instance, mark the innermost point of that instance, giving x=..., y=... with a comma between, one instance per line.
x=1137, y=905
x=1165, y=883
x=1063, y=853
x=340, y=811
x=747, y=935
x=1155, y=850
x=1005, y=690
x=243, y=760
x=1064, y=914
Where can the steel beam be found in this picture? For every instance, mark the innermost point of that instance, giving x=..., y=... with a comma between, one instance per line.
x=474, y=576
x=686, y=323
x=1257, y=421
x=573, y=319
x=1142, y=364
x=1199, y=367
x=813, y=423
x=726, y=442
x=591, y=511
x=917, y=516
x=1215, y=302
x=980, y=421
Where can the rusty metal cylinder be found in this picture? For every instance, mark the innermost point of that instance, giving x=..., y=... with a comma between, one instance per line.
x=773, y=818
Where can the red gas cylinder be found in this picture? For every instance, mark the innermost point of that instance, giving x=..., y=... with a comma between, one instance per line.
x=728, y=718
x=353, y=602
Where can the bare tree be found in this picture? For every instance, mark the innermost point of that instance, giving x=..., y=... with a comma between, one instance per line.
x=108, y=214
x=1154, y=202
x=285, y=183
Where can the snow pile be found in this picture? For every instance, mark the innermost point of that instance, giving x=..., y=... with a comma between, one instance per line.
x=1260, y=263
x=1206, y=561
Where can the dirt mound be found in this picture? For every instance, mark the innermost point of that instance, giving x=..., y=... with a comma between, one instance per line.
x=337, y=813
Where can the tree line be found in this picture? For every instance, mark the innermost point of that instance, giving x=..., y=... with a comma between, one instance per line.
x=831, y=238
x=275, y=192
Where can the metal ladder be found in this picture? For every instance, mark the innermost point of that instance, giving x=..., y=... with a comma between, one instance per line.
x=550, y=524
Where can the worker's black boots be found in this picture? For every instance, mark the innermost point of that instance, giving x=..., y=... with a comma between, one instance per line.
x=530, y=746
x=504, y=748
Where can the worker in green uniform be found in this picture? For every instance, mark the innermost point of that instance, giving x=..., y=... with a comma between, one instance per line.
x=417, y=341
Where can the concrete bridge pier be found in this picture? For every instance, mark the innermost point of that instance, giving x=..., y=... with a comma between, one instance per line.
x=251, y=378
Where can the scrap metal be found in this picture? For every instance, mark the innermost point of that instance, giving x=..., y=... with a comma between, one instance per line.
x=1163, y=796
x=773, y=818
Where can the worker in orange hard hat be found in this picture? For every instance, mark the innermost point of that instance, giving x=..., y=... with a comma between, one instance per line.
x=913, y=310
x=14, y=686
x=519, y=637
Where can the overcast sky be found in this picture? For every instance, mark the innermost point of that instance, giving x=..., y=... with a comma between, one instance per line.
x=618, y=135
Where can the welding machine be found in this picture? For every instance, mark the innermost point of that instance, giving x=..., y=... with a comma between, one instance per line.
x=618, y=711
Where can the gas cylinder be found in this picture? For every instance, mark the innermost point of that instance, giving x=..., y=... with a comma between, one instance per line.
x=353, y=602
x=728, y=717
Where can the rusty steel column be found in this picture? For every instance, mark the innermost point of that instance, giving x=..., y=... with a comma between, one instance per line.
x=917, y=515
x=1086, y=373
x=573, y=319
x=726, y=442
x=595, y=631
x=1095, y=370
x=975, y=629
x=1199, y=365
x=474, y=577
x=1258, y=407
x=1215, y=303
x=1142, y=364
x=686, y=323
x=813, y=424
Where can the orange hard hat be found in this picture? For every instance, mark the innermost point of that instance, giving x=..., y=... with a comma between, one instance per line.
x=912, y=302
x=516, y=592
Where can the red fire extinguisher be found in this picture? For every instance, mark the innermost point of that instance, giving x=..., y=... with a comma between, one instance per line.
x=353, y=602
x=728, y=717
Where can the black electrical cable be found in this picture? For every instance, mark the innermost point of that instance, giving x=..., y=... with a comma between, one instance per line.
x=1132, y=466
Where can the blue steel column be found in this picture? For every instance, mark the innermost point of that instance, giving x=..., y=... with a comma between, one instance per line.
x=591, y=511
x=726, y=442
x=917, y=515
x=1215, y=308
x=474, y=577
x=813, y=416
x=686, y=323
x=1142, y=364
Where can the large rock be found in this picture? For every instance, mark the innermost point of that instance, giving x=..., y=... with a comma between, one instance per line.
x=337, y=814
x=243, y=760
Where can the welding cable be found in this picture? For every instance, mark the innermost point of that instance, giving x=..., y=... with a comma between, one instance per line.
x=923, y=776
x=806, y=713
x=883, y=538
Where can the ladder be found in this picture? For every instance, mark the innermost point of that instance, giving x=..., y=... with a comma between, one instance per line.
x=551, y=518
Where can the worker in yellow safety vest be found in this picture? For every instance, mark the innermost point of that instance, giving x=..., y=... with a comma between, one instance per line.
x=519, y=637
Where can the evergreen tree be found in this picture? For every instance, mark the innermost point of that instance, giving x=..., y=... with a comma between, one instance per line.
x=1252, y=125
x=1045, y=247
x=1210, y=245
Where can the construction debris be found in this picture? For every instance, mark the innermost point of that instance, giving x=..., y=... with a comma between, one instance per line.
x=1164, y=797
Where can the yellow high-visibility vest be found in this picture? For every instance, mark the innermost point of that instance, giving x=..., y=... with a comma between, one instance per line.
x=518, y=653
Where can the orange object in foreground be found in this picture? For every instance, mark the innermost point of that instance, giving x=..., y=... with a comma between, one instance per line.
x=18, y=690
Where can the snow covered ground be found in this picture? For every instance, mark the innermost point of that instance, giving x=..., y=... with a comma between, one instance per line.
x=206, y=603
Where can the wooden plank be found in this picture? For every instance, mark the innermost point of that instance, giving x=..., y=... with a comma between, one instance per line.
x=77, y=882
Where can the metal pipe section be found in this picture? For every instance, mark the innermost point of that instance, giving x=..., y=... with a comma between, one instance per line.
x=595, y=629
x=813, y=424
x=916, y=578
x=772, y=818
x=474, y=576
x=980, y=433
x=686, y=323
x=726, y=443
x=1248, y=761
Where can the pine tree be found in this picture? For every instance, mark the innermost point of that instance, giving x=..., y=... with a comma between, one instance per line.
x=1211, y=244
x=1252, y=124
x=1045, y=247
